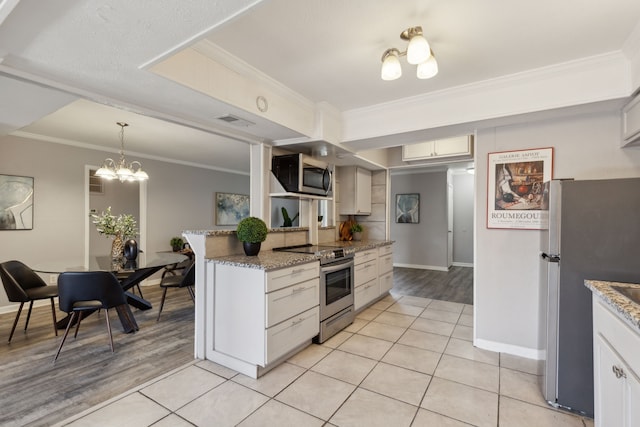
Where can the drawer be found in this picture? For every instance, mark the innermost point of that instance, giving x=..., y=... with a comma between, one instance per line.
x=365, y=272
x=278, y=279
x=386, y=282
x=287, y=302
x=385, y=250
x=385, y=263
x=289, y=334
x=366, y=293
x=365, y=256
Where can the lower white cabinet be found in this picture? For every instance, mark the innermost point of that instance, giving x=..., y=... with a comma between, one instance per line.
x=617, y=388
x=261, y=316
x=373, y=275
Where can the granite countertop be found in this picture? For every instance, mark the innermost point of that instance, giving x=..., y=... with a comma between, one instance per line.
x=626, y=309
x=272, y=260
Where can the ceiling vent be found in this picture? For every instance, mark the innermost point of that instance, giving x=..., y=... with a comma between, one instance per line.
x=235, y=120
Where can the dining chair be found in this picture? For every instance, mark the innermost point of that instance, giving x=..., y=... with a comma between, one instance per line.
x=88, y=291
x=185, y=280
x=22, y=284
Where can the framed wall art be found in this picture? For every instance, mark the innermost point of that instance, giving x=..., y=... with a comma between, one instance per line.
x=16, y=202
x=231, y=208
x=408, y=208
x=515, y=188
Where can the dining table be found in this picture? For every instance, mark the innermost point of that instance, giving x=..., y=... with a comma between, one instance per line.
x=130, y=273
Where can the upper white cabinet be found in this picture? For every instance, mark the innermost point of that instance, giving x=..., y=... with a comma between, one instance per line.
x=451, y=147
x=631, y=121
x=355, y=191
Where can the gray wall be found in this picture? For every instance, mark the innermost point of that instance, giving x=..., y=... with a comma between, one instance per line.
x=507, y=297
x=422, y=245
x=463, y=219
x=179, y=198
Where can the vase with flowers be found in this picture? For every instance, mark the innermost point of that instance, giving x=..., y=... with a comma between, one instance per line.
x=121, y=227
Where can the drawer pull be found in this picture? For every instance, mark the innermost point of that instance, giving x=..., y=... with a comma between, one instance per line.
x=298, y=290
x=297, y=322
x=618, y=371
x=297, y=271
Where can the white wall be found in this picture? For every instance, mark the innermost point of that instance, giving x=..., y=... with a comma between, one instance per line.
x=179, y=198
x=463, y=200
x=507, y=298
x=422, y=245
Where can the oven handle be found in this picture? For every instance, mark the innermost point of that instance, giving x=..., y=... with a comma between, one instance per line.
x=338, y=265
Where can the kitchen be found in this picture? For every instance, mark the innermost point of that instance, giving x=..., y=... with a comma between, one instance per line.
x=507, y=299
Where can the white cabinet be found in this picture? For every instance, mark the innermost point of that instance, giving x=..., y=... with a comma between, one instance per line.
x=616, y=364
x=385, y=268
x=259, y=316
x=355, y=191
x=373, y=275
x=451, y=147
x=365, y=278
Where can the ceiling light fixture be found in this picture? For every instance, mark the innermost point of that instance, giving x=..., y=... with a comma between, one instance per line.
x=131, y=172
x=418, y=53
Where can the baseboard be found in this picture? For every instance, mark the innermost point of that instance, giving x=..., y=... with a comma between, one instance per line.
x=12, y=308
x=421, y=267
x=514, y=350
x=462, y=264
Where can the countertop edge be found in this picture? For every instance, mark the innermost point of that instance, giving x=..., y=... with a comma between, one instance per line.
x=626, y=309
x=273, y=260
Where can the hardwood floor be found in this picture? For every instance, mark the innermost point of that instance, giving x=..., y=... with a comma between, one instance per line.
x=36, y=392
x=455, y=285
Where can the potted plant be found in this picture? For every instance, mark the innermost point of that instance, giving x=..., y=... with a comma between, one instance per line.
x=176, y=243
x=251, y=232
x=288, y=222
x=121, y=227
x=356, y=231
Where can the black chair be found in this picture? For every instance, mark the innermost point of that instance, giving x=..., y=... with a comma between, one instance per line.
x=88, y=291
x=186, y=280
x=22, y=285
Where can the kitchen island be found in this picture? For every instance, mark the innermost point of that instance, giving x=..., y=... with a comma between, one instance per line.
x=261, y=310
x=616, y=346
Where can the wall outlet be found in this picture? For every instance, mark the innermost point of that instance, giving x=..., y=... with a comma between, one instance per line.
x=53, y=279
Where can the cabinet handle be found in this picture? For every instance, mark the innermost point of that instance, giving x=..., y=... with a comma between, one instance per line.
x=619, y=372
x=297, y=322
x=300, y=289
x=297, y=271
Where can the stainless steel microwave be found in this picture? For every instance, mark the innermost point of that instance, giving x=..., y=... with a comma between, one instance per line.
x=299, y=173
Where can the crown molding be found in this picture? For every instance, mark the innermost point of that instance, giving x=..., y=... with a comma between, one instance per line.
x=588, y=80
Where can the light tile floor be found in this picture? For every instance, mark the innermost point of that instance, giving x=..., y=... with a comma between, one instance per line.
x=405, y=361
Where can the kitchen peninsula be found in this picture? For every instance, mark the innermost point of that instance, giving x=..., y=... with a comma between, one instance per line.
x=252, y=313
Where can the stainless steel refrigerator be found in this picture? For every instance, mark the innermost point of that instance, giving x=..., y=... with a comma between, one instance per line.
x=594, y=233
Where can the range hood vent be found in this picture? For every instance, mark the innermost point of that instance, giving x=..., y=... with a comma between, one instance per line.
x=235, y=120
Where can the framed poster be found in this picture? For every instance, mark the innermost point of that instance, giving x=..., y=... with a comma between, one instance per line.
x=231, y=208
x=16, y=202
x=515, y=188
x=408, y=208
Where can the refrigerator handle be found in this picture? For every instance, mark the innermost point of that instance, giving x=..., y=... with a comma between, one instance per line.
x=550, y=257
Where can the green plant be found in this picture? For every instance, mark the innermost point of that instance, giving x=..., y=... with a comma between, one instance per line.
x=252, y=230
x=107, y=224
x=176, y=242
x=356, y=228
x=288, y=222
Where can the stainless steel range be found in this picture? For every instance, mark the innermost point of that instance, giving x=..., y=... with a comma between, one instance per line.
x=336, y=286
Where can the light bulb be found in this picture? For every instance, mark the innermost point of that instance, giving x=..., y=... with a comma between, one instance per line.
x=391, y=69
x=428, y=68
x=418, y=50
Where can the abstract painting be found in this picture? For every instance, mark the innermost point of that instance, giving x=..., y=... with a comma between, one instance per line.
x=408, y=208
x=231, y=208
x=16, y=202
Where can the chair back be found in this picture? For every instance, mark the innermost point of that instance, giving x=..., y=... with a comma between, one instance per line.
x=189, y=276
x=16, y=277
x=88, y=286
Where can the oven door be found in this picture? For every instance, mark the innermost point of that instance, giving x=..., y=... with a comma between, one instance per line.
x=336, y=287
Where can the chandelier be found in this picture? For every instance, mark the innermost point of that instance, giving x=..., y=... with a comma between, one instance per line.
x=418, y=53
x=123, y=171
